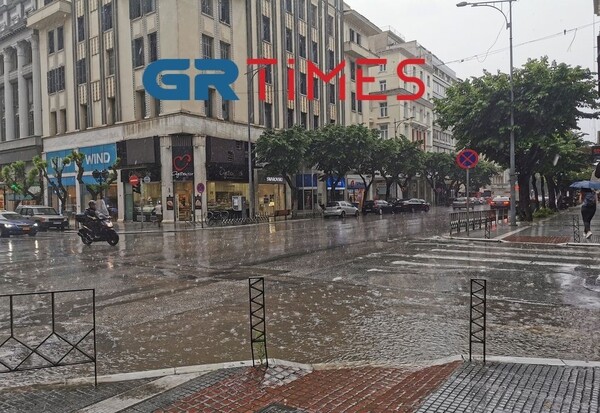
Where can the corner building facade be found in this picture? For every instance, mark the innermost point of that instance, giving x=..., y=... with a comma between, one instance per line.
x=95, y=102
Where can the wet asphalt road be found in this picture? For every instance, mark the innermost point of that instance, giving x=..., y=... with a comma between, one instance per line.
x=379, y=289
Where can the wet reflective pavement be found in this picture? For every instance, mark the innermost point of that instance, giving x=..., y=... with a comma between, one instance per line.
x=379, y=289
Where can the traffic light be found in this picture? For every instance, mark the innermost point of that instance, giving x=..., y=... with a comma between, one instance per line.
x=137, y=188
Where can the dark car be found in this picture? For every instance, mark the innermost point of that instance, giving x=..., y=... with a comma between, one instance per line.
x=377, y=207
x=415, y=205
x=12, y=223
x=500, y=202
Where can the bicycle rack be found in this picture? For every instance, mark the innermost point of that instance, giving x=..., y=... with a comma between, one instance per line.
x=477, y=316
x=258, y=325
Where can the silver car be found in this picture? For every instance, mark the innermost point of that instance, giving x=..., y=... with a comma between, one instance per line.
x=340, y=209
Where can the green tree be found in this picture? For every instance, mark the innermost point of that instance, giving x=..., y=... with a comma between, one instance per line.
x=21, y=181
x=372, y=151
x=401, y=162
x=283, y=152
x=336, y=150
x=437, y=166
x=550, y=98
x=55, y=184
x=94, y=189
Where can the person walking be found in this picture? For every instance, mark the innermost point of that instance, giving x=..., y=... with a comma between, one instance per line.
x=588, y=209
x=158, y=212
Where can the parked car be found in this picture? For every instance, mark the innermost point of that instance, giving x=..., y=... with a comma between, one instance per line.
x=459, y=203
x=500, y=202
x=378, y=206
x=46, y=217
x=414, y=205
x=340, y=209
x=12, y=223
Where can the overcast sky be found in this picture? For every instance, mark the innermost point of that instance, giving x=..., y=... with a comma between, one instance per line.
x=454, y=33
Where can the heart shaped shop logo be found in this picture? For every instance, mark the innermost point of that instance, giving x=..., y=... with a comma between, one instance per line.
x=182, y=162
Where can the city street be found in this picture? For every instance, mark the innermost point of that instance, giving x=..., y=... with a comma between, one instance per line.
x=381, y=289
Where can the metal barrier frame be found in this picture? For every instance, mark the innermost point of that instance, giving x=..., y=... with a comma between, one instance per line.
x=477, y=315
x=576, y=229
x=476, y=220
x=34, y=350
x=258, y=324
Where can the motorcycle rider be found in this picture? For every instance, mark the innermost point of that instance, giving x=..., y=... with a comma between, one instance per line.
x=92, y=215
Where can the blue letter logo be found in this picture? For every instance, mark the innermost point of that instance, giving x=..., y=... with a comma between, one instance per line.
x=180, y=83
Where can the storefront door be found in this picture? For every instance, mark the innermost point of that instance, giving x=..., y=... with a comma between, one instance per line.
x=184, y=192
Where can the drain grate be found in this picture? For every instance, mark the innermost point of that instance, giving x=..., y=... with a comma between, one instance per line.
x=279, y=408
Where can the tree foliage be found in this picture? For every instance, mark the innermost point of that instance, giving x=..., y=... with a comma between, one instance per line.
x=550, y=98
x=94, y=189
x=21, y=181
x=55, y=183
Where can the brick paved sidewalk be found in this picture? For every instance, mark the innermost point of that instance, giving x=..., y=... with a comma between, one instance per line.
x=285, y=389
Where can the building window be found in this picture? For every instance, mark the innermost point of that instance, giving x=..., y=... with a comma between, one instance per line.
x=51, y=41
x=303, y=118
x=382, y=67
x=302, y=9
x=303, y=84
x=360, y=106
x=81, y=71
x=56, y=80
x=428, y=81
x=80, y=29
x=383, y=131
x=315, y=88
x=383, y=109
x=289, y=6
x=289, y=40
x=315, y=52
x=266, y=28
x=331, y=93
x=382, y=85
x=107, y=22
x=83, y=117
x=352, y=70
x=330, y=59
x=207, y=7
x=110, y=113
x=209, y=104
x=315, y=121
x=137, y=8
x=314, y=15
x=268, y=115
x=153, y=45
x=269, y=74
x=330, y=25
x=225, y=108
x=207, y=47
x=302, y=46
x=225, y=49
x=224, y=11
x=110, y=61
x=353, y=101
x=60, y=38
x=138, y=52
x=140, y=105
x=149, y=6
x=290, y=118
x=156, y=106
x=352, y=35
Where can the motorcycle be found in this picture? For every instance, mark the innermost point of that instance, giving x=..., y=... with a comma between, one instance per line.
x=98, y=230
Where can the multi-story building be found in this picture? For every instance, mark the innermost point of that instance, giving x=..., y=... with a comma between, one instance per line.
x=95, y=52
x=20, y=93
x=442, y=78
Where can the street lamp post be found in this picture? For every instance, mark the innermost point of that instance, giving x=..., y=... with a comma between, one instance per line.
x=250, y=78
x=398, y=123
x=512, y=174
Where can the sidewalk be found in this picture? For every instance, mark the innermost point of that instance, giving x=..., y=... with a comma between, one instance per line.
x=557, y=229
x=500, y=385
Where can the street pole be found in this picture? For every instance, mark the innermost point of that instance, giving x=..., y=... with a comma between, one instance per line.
x=467, y=201
x=512, y=175
x=250, y=172
x=512, y=172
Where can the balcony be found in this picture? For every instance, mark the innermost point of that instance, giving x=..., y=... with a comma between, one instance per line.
x=50, y=15
x=357, y=51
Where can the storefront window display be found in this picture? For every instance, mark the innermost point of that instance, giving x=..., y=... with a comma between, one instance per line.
x=271, y=198
x=146, y=200
x=220, y=194
x=307, y=191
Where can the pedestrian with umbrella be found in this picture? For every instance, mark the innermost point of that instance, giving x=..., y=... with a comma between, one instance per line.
x=588, y=203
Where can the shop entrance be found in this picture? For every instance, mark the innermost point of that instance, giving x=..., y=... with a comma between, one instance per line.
x=184, y=192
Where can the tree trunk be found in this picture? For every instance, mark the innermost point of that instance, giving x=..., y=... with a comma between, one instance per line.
x=367, y=186
x=524, y=209
x=535, y=192
x=542, y=185
x=388, y=186
x=551, y=193
x=294, y=191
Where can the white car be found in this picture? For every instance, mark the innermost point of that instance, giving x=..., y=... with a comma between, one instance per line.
x=340, y=209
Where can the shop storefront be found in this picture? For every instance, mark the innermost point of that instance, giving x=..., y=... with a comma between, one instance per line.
x=183, y=177
x=356, y=190
x=68, y=182
x=227, y=174
x=140, y=157
x=339, y=189
x=307, y=195
x=270, y=194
